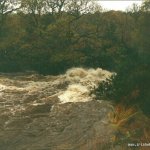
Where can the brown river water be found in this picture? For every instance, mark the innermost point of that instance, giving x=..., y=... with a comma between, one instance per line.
x=54, y=112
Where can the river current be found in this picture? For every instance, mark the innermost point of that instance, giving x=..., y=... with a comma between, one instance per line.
x=74, y=86
x=40, y=112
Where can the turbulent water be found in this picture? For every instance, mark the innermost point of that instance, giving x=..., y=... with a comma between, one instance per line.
x=81, y=83
x=74, y=86
x=52, y=112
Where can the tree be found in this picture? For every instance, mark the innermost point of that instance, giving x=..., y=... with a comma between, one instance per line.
x=55, y=6
x=146, y=6
x=78, y=7
x=7, y=7
x=35, y=8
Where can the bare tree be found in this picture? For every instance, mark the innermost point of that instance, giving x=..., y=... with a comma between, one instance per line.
x=55, y=6
x=34, y=7
x=7, y=7
x=78, y=7
x=146, y=6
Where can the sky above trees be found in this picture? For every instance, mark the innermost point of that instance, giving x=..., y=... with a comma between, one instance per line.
x=118, y=4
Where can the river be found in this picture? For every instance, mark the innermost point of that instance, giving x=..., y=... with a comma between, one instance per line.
x=54, y=112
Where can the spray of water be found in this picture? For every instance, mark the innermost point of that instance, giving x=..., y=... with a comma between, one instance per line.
x=81, y=83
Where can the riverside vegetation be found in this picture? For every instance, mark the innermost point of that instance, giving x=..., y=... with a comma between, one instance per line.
x=51, y=36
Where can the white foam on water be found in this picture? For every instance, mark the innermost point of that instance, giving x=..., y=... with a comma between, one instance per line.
x=81, y=83
x=73, y=86
x=2, y=87
x=75, y=93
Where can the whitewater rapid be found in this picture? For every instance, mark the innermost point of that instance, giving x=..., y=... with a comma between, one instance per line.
x=81, y=83
x=50, y=112
x=18, y=92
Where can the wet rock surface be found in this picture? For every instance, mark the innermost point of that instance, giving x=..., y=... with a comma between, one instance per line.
x=63, y=126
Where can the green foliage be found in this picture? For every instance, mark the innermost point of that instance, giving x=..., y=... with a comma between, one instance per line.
x=130, y=86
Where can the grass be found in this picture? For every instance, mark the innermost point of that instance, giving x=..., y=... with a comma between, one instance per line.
x=121, y=115
x=131, y=126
